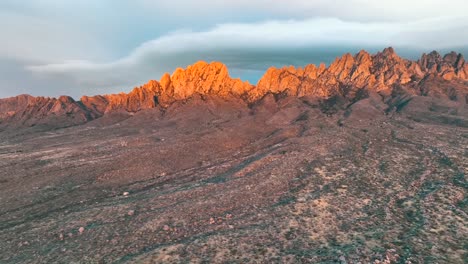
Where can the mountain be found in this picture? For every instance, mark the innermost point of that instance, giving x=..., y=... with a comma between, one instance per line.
x=364, y=161
x=350, y=77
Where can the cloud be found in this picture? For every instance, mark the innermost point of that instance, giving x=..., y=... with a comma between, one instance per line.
x=15, y=79
x=39, y=39
x=247, y=48
x=348, y=10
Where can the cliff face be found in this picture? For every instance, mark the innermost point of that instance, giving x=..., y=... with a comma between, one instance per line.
x=346, y=76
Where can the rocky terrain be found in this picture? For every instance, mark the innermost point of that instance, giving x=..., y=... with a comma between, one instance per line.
x=364, y=161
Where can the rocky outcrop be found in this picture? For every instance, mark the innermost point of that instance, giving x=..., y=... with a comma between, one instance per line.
x=362, y=71
x=206, y=79
x=346, y=77
x=10, y=106
x=144, y=97
x=201, y=78
x=451, y=66
x=29, y=111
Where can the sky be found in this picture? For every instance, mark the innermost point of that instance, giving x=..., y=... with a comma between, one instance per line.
x=88, y=47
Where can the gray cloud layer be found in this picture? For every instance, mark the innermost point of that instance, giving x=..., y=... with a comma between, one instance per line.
x=347, y=10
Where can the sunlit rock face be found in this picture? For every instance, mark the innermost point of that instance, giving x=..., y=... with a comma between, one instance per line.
x=373, y=72
x=204, y=79
x=201, y=78
x=347, y=76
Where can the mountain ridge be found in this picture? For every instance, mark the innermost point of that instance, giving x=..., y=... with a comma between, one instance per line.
x=384, y=73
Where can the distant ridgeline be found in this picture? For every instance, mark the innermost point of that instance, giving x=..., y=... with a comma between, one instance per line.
x=351, y=78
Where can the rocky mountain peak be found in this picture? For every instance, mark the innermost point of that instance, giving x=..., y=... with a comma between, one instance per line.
x=451, y=57
x=389, y=52
x=202, y=78
x=66, y=99
x=451, y=66
x=430, y=61
x=363, y=57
